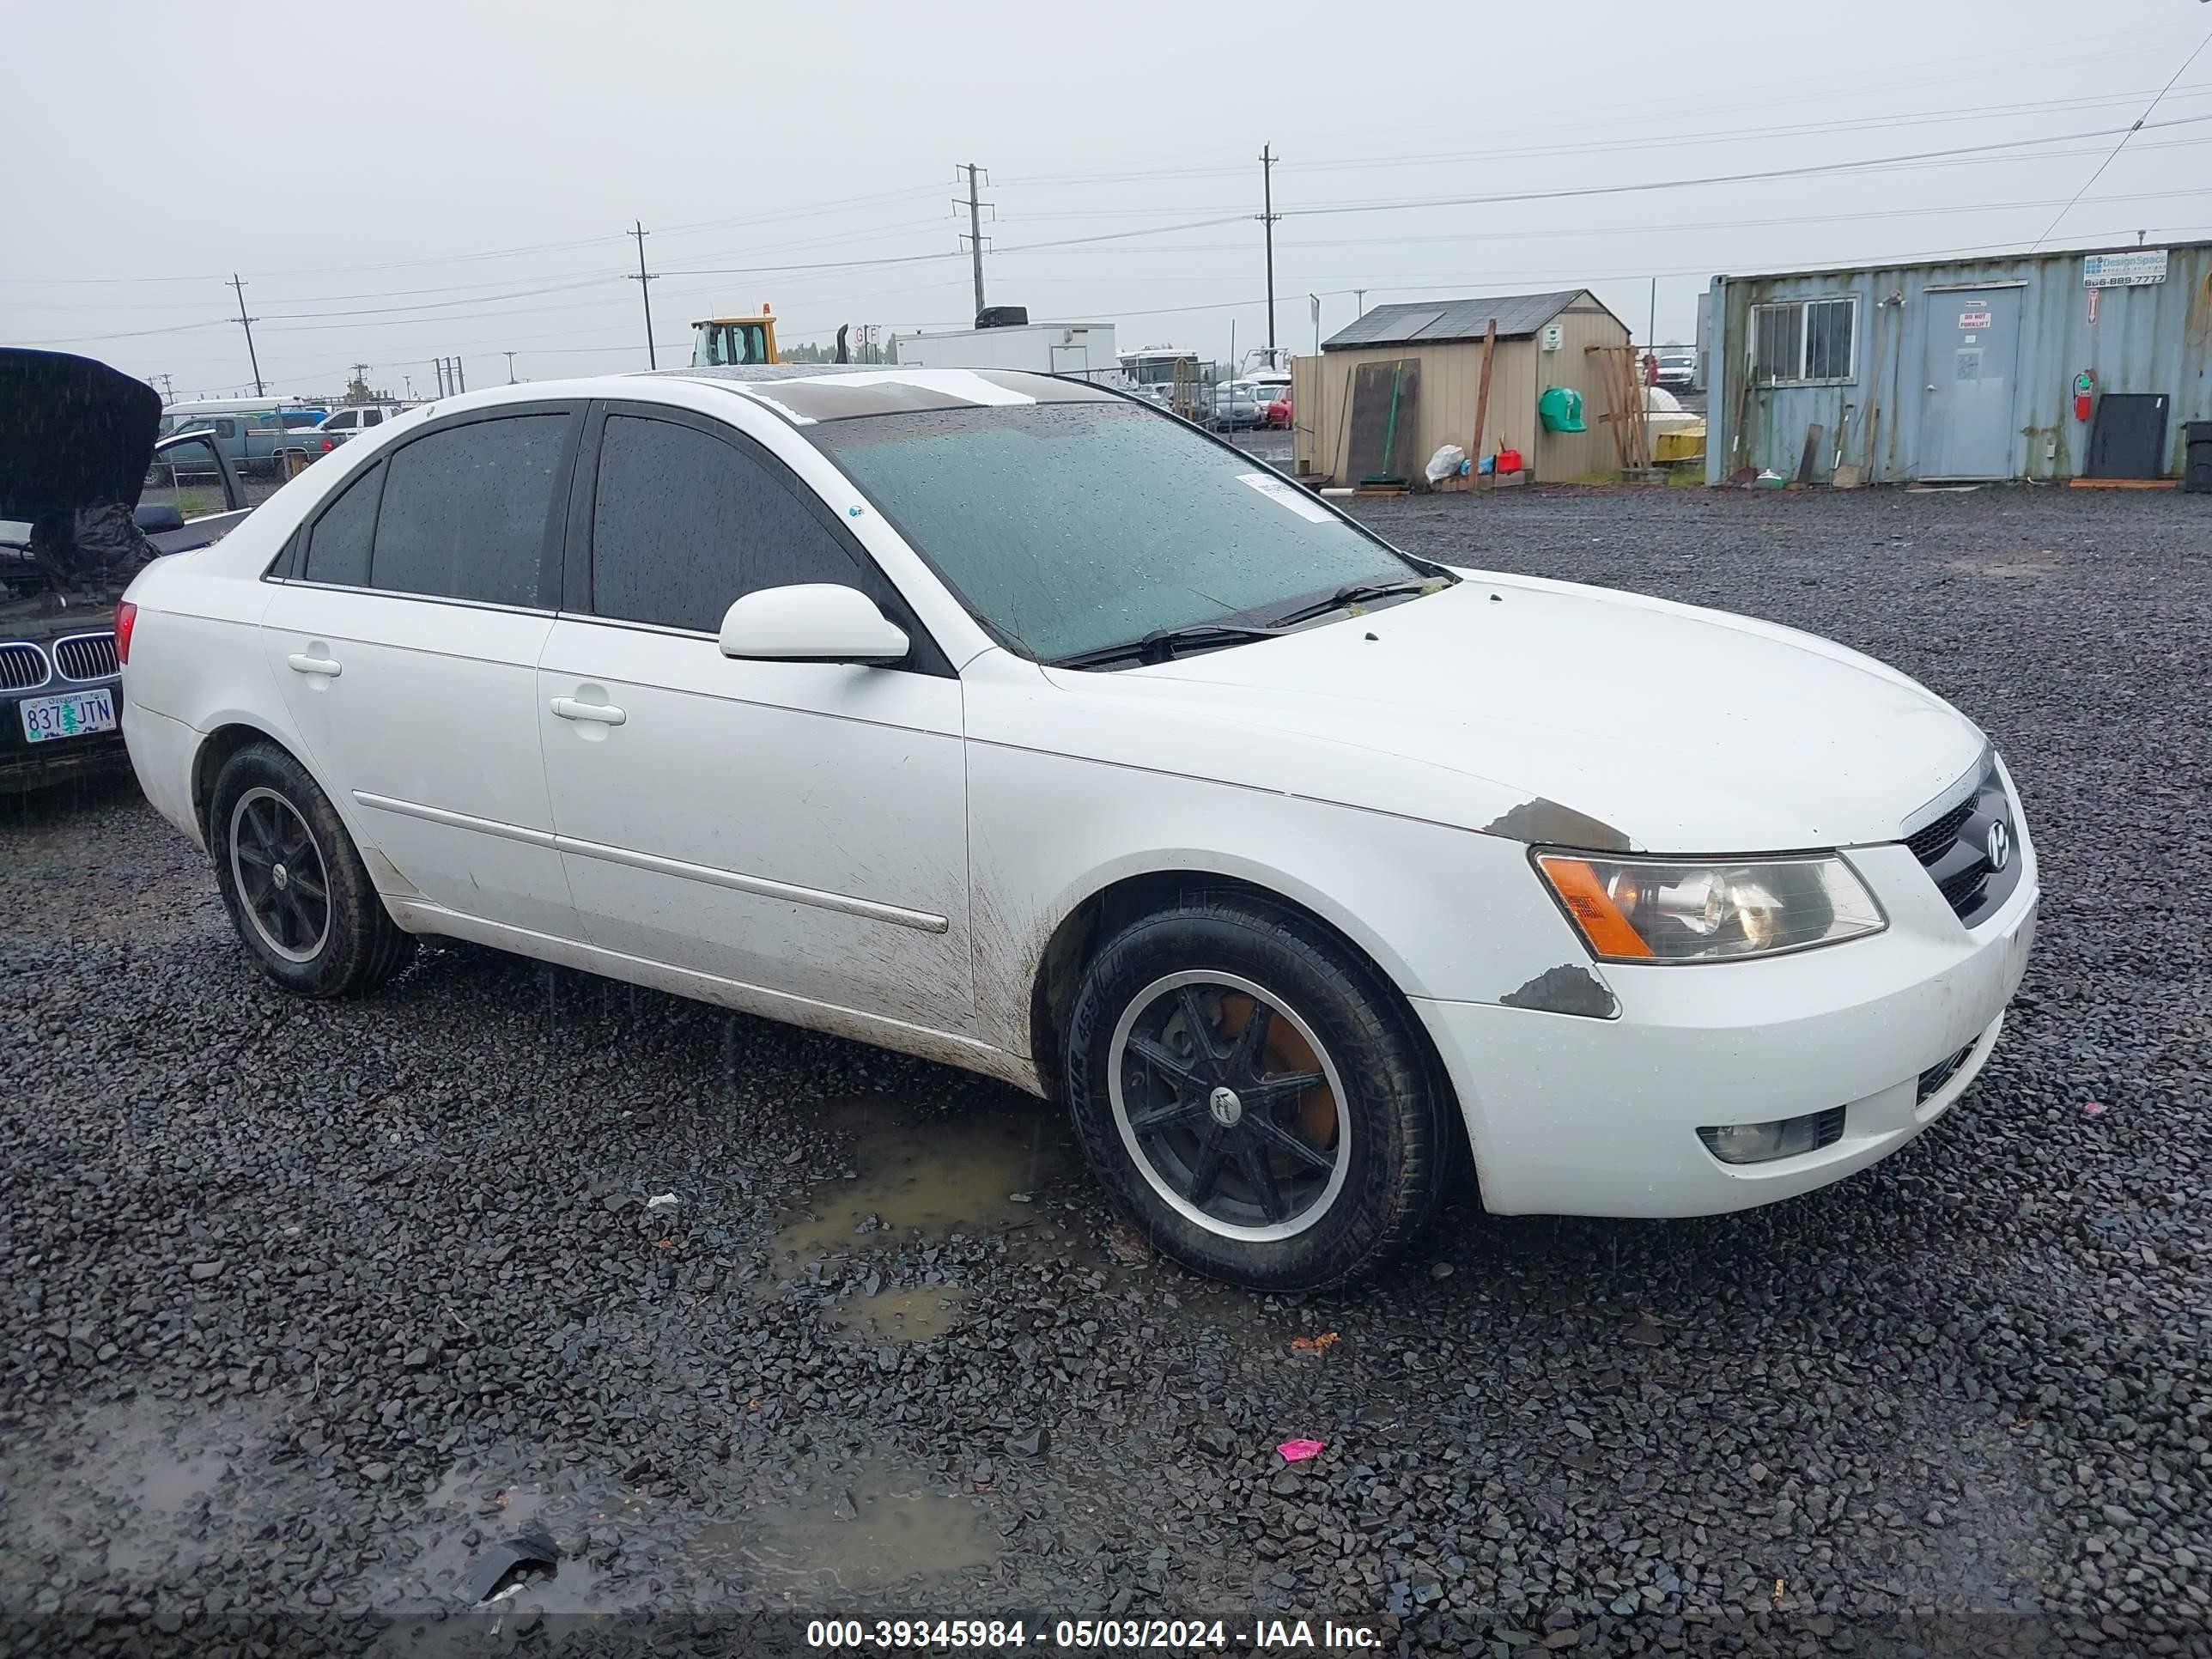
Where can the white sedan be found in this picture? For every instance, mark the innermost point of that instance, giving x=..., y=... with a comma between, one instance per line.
x=1001, y=719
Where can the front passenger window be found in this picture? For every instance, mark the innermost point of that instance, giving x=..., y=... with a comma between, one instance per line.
x=684, y=523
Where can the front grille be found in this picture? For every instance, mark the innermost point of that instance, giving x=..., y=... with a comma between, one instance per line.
x=1961, y=891
x=1931, y=843
x=87, y=657
x=1955, y=850
x=22, y=666
x=1942, y=1073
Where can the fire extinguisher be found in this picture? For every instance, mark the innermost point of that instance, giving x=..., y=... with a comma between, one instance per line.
x=2085, y=388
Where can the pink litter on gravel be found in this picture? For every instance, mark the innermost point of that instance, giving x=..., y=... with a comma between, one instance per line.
x=1296, y=1451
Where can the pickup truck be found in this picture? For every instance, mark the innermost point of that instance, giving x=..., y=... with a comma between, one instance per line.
x=77, y=460
x=256, y=442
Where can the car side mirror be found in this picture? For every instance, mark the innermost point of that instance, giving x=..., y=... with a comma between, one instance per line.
x=811, y=622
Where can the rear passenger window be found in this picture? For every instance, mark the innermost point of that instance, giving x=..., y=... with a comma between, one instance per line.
x=337, y=546
x=370, y=417
x=684, y=523
x=465, y=511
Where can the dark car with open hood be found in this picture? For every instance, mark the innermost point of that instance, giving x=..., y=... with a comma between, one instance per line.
x=88, y=498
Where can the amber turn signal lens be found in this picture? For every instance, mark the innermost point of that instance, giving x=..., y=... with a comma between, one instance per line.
x=1602, y=924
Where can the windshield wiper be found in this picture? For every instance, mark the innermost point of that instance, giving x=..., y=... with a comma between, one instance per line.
x=1358, y=593
x=1163, y=644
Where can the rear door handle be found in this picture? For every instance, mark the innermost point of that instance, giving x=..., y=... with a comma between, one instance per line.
x=303, y=664
x=602, y=713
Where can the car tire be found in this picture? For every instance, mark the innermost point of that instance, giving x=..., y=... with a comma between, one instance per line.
x=1283, y=1184
x=293, y=882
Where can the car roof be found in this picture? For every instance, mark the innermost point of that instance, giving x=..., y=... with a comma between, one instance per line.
x=804, y=393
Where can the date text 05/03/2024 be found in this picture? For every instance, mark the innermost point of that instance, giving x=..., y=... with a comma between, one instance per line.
x=1091, y=1635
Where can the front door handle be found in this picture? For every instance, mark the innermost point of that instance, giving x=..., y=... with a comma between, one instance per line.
x=602, y=713
x=303, y=664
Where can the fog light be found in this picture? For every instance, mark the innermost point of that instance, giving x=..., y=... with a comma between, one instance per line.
x=1761, y=1143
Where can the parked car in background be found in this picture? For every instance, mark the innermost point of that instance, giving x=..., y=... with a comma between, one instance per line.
x=1235, y=406
x=1677, y=369
x=256, y=440
x=86, y=498
x=1297, y=868
x=351, y=420
x=1279, y=411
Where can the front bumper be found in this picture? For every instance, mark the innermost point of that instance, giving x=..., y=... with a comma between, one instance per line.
x=1571, y=1115
x=26, y=765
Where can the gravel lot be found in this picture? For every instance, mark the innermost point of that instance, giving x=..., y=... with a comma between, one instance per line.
x=309, y=1308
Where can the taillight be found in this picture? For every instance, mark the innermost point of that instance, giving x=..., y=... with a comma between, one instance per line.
x=126, y=619
x=329, y=444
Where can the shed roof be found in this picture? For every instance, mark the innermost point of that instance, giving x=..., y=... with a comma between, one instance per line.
x=1435, y=322
x=1994, y=259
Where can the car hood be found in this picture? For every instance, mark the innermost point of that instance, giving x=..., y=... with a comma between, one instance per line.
x=73, y=434
x=1555, y=713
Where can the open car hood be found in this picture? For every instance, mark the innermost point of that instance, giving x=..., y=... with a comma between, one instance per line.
x=73, y=434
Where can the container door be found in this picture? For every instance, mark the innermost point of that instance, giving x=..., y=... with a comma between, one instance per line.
x=1971, y=359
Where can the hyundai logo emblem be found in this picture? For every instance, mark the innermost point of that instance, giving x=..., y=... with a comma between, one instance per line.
x=1999, y=847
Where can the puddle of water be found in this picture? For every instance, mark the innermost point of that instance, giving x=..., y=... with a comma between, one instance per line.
x=868, y=1528
x=927, y=1177
x=170, y=1480
x=496, y=1510
x=908, y=1315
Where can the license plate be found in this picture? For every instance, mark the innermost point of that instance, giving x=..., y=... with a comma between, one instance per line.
x=70, y=715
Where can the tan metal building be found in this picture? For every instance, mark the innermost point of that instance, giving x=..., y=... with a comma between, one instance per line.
x=1541, y=340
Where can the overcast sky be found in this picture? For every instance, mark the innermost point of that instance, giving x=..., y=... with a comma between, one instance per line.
x=398, y=181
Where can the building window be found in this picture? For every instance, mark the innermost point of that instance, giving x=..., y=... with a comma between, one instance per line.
x=1803, y=342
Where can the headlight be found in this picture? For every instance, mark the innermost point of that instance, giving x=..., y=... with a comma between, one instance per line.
x=1667, y=910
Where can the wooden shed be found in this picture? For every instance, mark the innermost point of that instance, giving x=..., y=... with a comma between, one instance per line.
x=1543, y=341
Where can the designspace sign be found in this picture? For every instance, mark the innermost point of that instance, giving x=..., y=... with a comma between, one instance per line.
x=2137, y=268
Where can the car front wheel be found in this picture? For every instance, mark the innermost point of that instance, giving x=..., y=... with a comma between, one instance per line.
x=1253, y=1094
x=296, y=887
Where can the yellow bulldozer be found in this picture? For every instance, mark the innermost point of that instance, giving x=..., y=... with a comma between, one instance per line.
x=717, y=341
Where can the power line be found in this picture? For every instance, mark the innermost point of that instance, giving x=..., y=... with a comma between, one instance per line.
x=1809, y=170
x=2121, y=145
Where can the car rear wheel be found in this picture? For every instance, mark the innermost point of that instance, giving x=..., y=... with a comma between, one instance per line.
x=1253, y=1094
x=294, y=886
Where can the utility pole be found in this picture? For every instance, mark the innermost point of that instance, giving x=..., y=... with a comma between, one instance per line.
x=975, y=233
x=246, y=323
x=361, y=377
x=1651, y=330
x=510, y=364
x=168, y=388
x=1360, y=302
x=644, y=279
x=1267, y=217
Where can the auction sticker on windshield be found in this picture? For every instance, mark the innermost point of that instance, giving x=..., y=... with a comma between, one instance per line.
x=71, y=715
x=1288, y=494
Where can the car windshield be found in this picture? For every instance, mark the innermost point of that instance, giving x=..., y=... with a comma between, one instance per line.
x=1072, y=527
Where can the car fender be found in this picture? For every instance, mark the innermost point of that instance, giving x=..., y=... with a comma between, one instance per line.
x=1441, y=912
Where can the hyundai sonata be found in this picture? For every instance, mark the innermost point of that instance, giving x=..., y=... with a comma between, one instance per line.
x=1006, y=720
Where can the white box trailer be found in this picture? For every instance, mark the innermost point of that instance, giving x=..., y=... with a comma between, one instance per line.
x=1084, y=348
